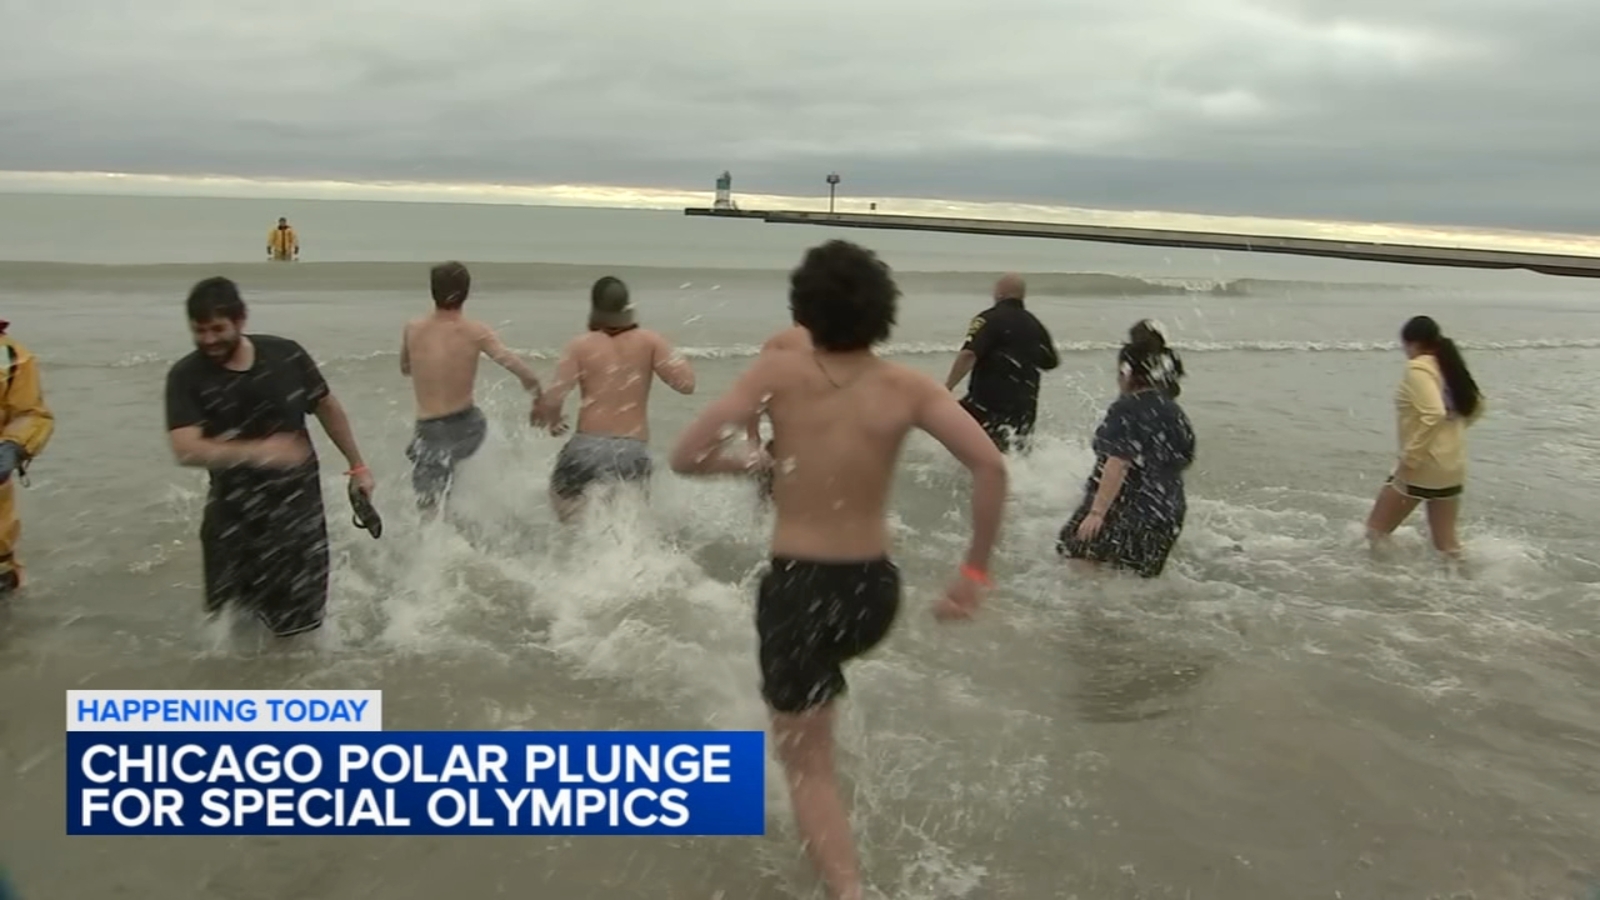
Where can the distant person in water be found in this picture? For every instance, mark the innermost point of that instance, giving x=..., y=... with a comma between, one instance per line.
x=1436, y=402
x=440, y=353
x=831, y=594
x=282, y=244
x=1148, y=334
x=613, y=365
x=237, y=406
x=26, y=426
x=1134, y=503
x=1006, y=350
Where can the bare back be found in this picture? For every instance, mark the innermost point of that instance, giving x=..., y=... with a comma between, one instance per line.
x=440, y=352
x=614, y=373
x=836, y=436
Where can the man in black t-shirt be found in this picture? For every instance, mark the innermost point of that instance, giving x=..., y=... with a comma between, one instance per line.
x=237, y=406
x=1006, y=349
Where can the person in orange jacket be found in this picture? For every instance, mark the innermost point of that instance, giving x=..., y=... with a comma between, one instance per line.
x=26, y=426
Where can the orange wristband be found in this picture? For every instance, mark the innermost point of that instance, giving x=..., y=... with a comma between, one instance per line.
x=358, y=470
x=975, y=575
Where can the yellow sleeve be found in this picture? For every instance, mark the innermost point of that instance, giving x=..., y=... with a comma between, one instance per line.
x=29, y=422
x=1420, y=392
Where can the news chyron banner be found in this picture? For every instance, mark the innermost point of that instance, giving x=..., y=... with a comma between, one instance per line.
x=319, y=762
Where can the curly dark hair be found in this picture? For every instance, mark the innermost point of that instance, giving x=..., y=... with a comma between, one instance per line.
x=844, y=295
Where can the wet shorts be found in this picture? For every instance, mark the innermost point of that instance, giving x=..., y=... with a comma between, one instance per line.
x=264, y=547
x=812, y=618
x=588, y=458
x=1422, y=493
x=438, y=444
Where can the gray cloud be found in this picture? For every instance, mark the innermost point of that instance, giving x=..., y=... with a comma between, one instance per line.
x=1437, y=111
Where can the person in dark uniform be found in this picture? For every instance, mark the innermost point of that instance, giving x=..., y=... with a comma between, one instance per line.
x=1006, y=349
x=237, y=406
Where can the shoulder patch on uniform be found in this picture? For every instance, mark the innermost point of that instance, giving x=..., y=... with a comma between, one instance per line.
x=975, y=326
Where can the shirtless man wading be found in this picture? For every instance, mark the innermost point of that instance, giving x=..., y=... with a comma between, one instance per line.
x=440, y=353
x=839, y=415
x=612, y=365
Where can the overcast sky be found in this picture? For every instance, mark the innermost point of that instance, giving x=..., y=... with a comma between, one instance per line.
x=1477, y=112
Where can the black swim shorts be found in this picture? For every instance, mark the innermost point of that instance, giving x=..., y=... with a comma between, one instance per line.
x=1422, y=493
x=812, y=618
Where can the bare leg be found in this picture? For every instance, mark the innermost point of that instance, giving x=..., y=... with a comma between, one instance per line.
x=1442, y=526
x=805, y=747
x=1388, y=511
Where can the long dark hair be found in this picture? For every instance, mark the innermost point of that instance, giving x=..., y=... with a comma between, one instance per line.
x=1148, y=366
x=1462, y=392
x=1146, y=337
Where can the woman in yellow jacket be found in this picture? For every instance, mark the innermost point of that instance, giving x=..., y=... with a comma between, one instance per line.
x=1436, y=402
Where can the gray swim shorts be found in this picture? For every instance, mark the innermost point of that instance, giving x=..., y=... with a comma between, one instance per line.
x=436, y=447
x=588, y=458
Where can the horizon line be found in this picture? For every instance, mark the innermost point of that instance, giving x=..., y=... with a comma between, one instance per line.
x=596, y=196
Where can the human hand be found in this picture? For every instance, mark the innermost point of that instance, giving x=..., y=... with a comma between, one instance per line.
x=363, y=480
x=961, y=600
x=1090, y=526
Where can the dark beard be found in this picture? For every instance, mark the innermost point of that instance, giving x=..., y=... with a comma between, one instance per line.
x=221, y=353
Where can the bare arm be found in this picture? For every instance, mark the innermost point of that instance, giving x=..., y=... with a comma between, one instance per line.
x=330, y=412
x=673, y=368
x=490, y=344
x=696, y=452
x=941, y=416
x=405, y=351
x=567, y=375
x=191, y=448
x=1111, y=478
x=960, y=369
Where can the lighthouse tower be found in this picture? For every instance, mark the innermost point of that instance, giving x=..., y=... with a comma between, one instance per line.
x=724, y=193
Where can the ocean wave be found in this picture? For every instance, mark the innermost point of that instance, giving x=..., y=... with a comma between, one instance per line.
x=266, y=277
x=930, y=348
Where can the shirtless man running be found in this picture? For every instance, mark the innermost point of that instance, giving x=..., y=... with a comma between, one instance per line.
x=440, y=353
x=841, y=415
x=612, y=366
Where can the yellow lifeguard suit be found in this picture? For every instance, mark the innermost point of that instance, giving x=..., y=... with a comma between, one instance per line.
x=26, y=421
x=282, y=245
